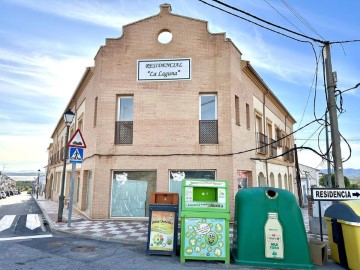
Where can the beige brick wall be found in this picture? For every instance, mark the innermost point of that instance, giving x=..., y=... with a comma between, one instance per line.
x=166, y=113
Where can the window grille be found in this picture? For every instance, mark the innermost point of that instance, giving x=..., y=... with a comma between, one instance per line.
x=208, y=131
x=123, y=132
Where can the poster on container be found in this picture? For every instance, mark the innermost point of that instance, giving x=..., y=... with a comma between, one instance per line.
x=162, y=231
x=242, y=179
x=204, y=238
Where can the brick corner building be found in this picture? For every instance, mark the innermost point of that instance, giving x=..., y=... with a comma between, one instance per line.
x=169, y=100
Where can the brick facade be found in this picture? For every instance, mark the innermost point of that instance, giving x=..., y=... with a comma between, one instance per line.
x=166, y=113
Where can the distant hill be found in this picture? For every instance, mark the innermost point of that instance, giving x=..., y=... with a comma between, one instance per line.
x=21, y=173
x=352, y=174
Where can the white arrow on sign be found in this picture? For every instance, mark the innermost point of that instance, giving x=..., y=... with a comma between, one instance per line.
x=336, y=194
x=6, y=221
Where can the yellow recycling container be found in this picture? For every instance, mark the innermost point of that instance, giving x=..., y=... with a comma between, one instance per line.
x=343, y=226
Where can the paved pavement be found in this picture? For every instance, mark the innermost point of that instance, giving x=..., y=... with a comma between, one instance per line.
x=127, y=232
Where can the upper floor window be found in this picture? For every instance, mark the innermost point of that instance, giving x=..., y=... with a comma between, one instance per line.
x=208, y=107
x=208, y=124
x=237, y=111
x=247, y=116
x=124, y=123
x=125, y=112
x=95, y=111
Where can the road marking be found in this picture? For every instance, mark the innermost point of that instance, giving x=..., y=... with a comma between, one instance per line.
x=33, y=221
x=26, y=237
x=6, y=222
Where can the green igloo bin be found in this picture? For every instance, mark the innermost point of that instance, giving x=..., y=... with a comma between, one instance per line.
x=269, y=230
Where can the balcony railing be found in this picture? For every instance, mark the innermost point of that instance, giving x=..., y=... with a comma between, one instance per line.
x=286, y=153
x=291, y=156
x=261, y=142
x=272, y=148
x=208, y=132
x=123, y=132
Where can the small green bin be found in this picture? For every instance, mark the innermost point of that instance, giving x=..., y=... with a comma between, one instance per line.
x=269, y=230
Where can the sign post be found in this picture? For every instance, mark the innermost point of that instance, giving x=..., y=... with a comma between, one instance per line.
x=333, y=194
x=76, y=155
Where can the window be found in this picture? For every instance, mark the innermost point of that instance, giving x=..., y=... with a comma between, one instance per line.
x=124, y=123
x=80, y=125
x=130, y=193
x=278, y=137
x=95, y=111
x=247, y=116
x=272, y=145
x=177, y=176
x=208, y=124
x=261, y=138
x=237, y=111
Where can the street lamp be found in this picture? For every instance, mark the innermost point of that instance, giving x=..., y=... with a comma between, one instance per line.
x=68, y=118
x=37, y=185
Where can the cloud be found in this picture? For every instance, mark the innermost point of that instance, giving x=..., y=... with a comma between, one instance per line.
x=111, y=14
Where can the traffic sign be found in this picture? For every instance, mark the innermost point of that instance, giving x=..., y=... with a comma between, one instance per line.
x=76, y=155
x=77, y=140
x=336, y=194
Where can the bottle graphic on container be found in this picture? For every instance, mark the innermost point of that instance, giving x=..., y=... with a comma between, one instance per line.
x=274, y=244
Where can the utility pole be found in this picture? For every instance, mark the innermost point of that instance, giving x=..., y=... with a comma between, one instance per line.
x=328, y=182
x=335, y=135
x=298, y=179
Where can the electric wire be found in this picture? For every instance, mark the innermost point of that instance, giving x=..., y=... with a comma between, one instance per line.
x=284, y=17
x=238, y=16
x=304, y=21
x=217, y=155
x=265, y=21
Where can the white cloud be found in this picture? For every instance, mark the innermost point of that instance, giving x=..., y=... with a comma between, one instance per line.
x=111, y=14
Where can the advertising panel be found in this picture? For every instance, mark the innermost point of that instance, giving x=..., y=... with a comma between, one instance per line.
x=162, y=231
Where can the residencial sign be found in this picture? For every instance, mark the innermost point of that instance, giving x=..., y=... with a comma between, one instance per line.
x=337, y=194
x=164, y=69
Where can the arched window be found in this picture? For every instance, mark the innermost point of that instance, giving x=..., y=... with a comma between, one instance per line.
x=261, y=180
x=272, y=180
x=279, y=181
x=286, y=182
x=290, y=183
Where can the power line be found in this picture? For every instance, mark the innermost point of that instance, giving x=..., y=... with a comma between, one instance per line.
x=267, y=28
x=209, y=155
x=265, y=21
x=297, y=15
x=283, y=16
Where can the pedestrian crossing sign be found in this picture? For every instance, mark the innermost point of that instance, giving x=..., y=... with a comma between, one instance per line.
x=76, y=155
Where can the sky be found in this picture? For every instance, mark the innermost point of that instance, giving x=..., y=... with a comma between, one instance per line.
x=45, y=47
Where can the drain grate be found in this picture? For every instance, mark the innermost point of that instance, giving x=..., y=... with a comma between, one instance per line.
x=83, y=249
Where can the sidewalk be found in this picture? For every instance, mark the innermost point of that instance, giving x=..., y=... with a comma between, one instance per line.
x=127, y=232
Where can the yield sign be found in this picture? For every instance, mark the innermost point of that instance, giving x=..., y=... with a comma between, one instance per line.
x=77, y=140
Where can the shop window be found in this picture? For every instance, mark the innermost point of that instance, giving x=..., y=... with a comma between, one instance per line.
x=124, y=123
x=176, y=177
x=130, y=193
x=208, y=123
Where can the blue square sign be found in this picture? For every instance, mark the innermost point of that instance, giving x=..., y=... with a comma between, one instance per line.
x=76, y=155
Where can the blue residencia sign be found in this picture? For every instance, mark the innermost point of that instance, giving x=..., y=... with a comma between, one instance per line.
x=76, y=155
